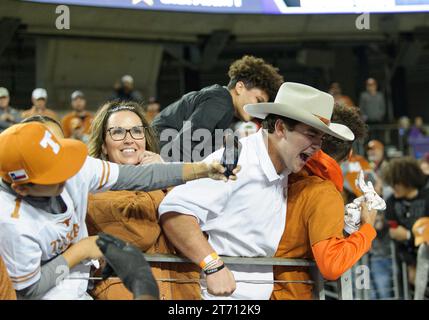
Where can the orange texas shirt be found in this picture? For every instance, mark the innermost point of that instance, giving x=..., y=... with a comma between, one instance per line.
x=314, y=229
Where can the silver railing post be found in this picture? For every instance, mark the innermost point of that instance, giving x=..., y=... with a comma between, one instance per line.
x=395, y=270
x=422, y=271
x=319, y=284
x=345, y=287
x=405, y=281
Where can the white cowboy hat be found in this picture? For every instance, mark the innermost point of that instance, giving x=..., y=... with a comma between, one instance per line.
x=304, y=104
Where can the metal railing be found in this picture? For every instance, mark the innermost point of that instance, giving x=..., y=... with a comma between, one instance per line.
x=422, y=271
x=344, y=284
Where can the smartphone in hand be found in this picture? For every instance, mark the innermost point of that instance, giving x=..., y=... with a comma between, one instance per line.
x=231, y=153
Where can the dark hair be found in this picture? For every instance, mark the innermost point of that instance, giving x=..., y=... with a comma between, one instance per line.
x=42, y=119
x=269, y=122
x=255, y=73
x=350, y=117
x=404, y=171
x=98, y=126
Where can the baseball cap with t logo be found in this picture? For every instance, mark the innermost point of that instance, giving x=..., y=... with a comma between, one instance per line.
x=31, y=153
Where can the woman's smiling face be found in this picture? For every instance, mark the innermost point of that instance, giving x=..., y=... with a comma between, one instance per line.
x=129, y=149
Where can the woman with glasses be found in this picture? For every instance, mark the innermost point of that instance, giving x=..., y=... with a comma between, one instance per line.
x=121, y=134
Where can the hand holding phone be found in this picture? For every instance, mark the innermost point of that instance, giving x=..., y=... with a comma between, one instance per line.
x=231, y=153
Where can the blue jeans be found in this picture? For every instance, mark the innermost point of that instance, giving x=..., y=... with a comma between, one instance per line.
x=381, y=278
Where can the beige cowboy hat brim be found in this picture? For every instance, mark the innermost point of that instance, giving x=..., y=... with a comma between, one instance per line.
x=261, y=110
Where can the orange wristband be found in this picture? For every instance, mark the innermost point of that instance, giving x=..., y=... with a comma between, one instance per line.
x=210, y=258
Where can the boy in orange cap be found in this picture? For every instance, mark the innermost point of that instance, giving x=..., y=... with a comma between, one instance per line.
x=44, y=188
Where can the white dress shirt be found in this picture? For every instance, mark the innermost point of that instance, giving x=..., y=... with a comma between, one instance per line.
x=242, y=218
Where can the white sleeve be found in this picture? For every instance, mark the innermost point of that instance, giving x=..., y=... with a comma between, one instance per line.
x=203, y=198
x=100, y=175
x=22, y=256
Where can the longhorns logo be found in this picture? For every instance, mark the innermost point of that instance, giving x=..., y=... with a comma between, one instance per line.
x=48, y=141
x=66, y=222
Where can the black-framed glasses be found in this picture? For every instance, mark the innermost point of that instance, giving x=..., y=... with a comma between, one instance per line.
x=119, y=133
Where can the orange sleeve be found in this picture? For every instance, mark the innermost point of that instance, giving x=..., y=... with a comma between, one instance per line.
x=7, y=292
x=334, y=256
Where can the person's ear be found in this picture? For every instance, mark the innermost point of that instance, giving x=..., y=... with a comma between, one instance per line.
x=280, y=129
x=21, y=189
x=239, y=87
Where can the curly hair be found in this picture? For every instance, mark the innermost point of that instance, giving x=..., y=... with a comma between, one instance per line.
x=255, y=73
x=98, y=127
x=350, y=117
x=404, y=171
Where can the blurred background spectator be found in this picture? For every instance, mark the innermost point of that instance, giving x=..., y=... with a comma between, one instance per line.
x=77, y=124
x=243, y=129
x=8, y=115
x=336, y=91
x=152, y=109
x=125, y=91
x=39, y=98
x=372, y=104
x=417, y=130
x=403, y=132
x=380, y=261
x=409, y=202
x=377, y=160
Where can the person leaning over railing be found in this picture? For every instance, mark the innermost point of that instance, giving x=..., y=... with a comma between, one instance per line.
x=121, y=134
x=315, y=216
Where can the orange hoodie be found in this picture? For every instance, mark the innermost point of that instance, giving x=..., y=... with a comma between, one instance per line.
x=335, y=256
x=323, y=166
x=314, y=229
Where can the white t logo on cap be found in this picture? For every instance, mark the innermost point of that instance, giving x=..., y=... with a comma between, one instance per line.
x=47, y=141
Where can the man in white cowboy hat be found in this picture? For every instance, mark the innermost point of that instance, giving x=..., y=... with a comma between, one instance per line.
x=205, y=220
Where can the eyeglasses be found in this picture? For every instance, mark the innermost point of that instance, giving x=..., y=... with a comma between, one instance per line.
x=119, y=133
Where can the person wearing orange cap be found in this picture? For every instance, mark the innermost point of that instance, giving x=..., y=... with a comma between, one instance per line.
x=315, y=217
x=44, y=187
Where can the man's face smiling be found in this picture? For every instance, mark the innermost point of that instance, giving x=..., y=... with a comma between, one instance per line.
x=298, y=146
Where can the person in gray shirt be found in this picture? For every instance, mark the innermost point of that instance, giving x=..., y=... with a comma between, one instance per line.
x=8, y=115
x=372, y=103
